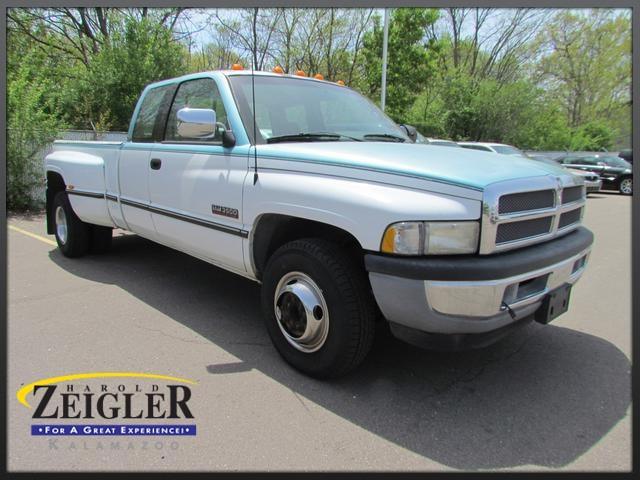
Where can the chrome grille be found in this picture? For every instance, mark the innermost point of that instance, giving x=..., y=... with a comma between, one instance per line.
x=510, y=232
x=569, y=218
x=521, y=212
x=520, y=202
x=572, y=194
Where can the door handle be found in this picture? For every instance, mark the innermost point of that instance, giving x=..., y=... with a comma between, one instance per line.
x=155, y=163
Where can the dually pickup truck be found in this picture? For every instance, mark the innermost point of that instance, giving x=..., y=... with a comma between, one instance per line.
x=307, y=187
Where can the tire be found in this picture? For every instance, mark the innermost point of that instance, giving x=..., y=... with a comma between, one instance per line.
x=626, y=186
x=100, y=240
x=72, y=234
x=347, y=307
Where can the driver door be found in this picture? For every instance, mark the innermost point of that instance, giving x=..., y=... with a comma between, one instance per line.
x=195, y=185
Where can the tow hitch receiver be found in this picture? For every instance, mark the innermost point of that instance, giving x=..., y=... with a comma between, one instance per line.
x=555, y=303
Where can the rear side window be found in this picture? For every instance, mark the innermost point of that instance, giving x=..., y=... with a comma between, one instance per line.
x=201, y=93
x=153, y=112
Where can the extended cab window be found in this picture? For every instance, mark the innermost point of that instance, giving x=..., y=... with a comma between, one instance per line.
x=201, y=93
x=150, y=121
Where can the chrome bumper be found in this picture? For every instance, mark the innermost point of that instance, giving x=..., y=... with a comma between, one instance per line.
x=488, y=298
x=457, y=296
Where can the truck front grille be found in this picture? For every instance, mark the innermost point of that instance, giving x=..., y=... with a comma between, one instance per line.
x=569, y=218
x=572, y=194
x=510, y=232
x=522, y=212
x=521, y=202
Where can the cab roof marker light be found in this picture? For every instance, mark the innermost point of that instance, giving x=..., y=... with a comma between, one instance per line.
x=340, y=82
x=236, y=66
x=318, y=76
x=278, y=69
x=300, y=73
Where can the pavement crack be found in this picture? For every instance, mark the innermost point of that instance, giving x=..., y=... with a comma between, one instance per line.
x=472, y=373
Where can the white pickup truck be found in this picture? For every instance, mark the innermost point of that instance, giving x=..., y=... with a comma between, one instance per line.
x=307, y=187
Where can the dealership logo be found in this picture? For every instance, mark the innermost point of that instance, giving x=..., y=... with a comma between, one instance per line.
x=116, y=396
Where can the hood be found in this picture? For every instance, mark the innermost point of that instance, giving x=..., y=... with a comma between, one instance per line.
x=452, y=165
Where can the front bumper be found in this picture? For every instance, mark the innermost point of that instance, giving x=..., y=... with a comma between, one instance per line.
x=468, y=294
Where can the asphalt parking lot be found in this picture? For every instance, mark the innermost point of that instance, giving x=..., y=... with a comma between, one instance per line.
x=548, y=397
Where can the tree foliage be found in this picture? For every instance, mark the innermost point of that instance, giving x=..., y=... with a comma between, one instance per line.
x=141, y=53
x=411, y=58
x=31, y=124
x=535, y=78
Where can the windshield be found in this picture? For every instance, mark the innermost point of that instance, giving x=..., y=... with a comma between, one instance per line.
x=290, y=107
x=506, y=150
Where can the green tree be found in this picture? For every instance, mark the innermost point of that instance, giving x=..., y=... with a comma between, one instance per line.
x=141, y=53
x=596, y=135
x=411, y=58
x=586, y=63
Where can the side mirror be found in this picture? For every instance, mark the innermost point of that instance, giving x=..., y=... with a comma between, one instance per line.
x=196, y=123
x=412, y=133
x=228, y=139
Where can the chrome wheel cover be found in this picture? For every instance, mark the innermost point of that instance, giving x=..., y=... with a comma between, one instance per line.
x=301, y=312
x=61, y=225
x=626, y=186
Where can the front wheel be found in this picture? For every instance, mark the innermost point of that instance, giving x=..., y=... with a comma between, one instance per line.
x=318, y=307
x=626, y=186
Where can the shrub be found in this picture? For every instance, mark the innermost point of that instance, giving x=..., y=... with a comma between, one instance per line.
x=31, y=127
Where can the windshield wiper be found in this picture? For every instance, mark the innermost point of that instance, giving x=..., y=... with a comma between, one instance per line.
x=385, y=137
x=311, y=137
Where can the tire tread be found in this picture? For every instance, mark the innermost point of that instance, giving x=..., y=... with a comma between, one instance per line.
x=351, y=280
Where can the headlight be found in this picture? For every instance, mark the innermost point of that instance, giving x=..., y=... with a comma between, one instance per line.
x=431, y=238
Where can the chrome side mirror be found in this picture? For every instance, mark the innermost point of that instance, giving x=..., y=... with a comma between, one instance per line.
x=196, y=123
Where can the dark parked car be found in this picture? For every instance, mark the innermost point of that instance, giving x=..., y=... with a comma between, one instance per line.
x=591, y=179
x=615, y=172
x=627, y=155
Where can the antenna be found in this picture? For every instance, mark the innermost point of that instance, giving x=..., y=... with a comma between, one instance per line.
x=255, y=129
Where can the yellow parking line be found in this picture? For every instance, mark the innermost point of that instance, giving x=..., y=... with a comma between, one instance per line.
x=33, y=235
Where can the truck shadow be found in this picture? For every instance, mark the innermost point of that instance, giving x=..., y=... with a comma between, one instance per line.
x=543, y=396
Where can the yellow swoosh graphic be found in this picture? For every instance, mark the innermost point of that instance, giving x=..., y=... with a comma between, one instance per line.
x=21, y=395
